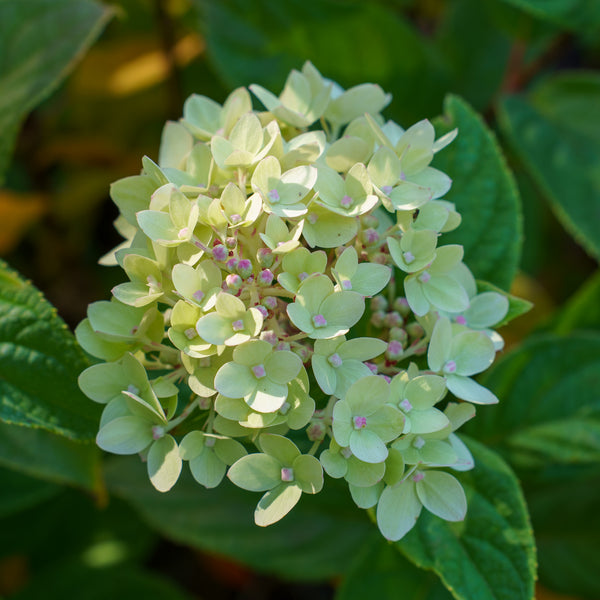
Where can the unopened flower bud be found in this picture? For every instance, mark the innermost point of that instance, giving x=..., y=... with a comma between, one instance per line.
x=220, y=253
x=265, y=277
x=415, y=330
x=394, y=350
x=393, y=319
x=379, y=303
x=231, y=264
x=370, y=221
x=316, y=431
x=401, y=305
x=370, y=237
x=233, y=282
x=304, y=352
x=265, y=257
x=379, y=258
x=377, y=318
x=269, y=336
x=398, y=334
x=283, y=346
x=231, y=242
x=262, y=310
x=244, y=268
x=204, y=403
x=270, y=302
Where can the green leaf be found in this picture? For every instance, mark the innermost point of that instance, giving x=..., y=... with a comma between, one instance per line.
x=283, y=36
x=42, y=454
x=39, y=364
x=40, y=42
x=316, y=540
x=569, y=554
x=560, y=421
x=491, y=554
x=582, y=310
x=555, y=133
x=380, y=571
x=19, y=492
x=579, y=15
x=484, y=192
x=98, y=583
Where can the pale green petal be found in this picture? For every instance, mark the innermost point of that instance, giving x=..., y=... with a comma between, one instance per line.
x=351, y=371
x=342, y=310
x=328, y=230
x=334, y=463
x=347, y=263
x=256, y=472
x=300, y=317
x=427, y=421
x=125, y=435
x=366, y=497
x=282, y=366
x=467, y=389
x=473, y=352
x=442, y=495
x=308, y=474
x=447, y=258
x=387, y=423
x=192, y=445
x=324, y=373
x=439, y=183
x=415, y=296
x=459, y=413
x=424, y=391
x=207, y=469
x=394, y=467
x=159, y=227
x=438, y=453
x=252, y=353
x=329, y=185
x=113, y=410
x=367, y=395
x=398, y=510
x=228, y=450
x=342, y=423
x=362, y=348
x=235, y=381
x=346, y=152
x=440, y=344
x=486, y=310
x=267, y=396
x=164, y=463
x=214, y=328
x=229, y=306
x=367, y=446
x=465, y=461
x=279, y=447
x=92, y=343
x=446, y=294
x=232, y=408
x=370, y=278
x=277, y=503
x=362, y=474
x=313, y=292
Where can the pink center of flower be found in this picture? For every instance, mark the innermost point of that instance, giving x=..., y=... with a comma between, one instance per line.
x=262, y=310
x=418, y=476
x=198, y=295
x=319, y=321
x=346, y=452
x=312, y=218
x=335, y=360
x=302, y=276
x=190, y=333
x=270, y=302
x=359, y=422
x=405, y=405
x=287, y=474
x=450, y=367
x=461, y=320
x=372, y=367
x=209, y=442
x=235, y=218
x=274, y=196
x=387, y=189
x=157, y=432
x=347, y=284
x=346, y=201
x=418, y=442
x=183, y=233
x=394, y=347
x=237, y=325
x=424, y=277
x=371, y=236
x=408, y=257
x=259, y=371
x=132, y=389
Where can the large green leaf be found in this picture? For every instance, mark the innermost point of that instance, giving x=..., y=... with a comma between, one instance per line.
x=581, y=15
x=19, y=492
x=549, y=408
x=45, y=455
x=351, y=42
x=381, y=572
x=485, y=194
x=40, y=42
x=118, y=582
x=39, y=364
x=318, y=539
x=582, y=311
x=556, y=133
x=491, y=554
x=568, y=549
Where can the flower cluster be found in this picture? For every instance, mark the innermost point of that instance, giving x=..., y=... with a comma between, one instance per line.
x=241, y=341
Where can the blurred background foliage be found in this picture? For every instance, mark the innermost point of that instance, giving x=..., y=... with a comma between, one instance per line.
x=530, y=67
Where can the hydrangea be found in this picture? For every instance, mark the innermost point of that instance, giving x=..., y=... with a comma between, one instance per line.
x=254, y=254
